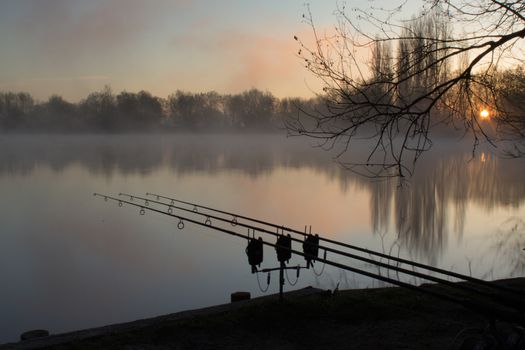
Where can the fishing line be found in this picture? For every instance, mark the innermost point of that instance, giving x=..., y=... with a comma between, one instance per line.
x=487, y=310
x=288, y=278
x=318, y=274
x=349, y=246
x=264, y=290
x=326, y=249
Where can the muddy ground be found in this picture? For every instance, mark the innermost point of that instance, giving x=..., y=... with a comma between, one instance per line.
x=385, y=318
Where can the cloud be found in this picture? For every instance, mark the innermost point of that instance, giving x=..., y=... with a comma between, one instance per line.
x=55, y=79
x=262, y=60
x=72, y=88
x=65, y=27
x=126, y=39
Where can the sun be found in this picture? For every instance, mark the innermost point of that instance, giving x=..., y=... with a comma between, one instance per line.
x=484, y=114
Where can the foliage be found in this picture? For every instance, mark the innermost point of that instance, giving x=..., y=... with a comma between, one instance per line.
x=103, y=111
x=14, y=108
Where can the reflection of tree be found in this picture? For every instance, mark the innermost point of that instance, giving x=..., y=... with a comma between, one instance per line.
x=509, y=242
x=99, y=154
x=445, y=184
x=420, y=213
x=380, y=205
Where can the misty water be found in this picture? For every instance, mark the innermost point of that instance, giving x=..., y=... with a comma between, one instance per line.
x=69, y=260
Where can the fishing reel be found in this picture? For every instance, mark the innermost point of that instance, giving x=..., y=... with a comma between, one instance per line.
x=255, y=253
x=311, y=249
x=283, y=248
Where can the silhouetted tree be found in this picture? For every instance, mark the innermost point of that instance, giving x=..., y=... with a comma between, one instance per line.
x=253, y=109
x=140, y=111
x=424, y=90
x=56, y=115
x=212, y=110
x=511, y=98
x=234, y=110
x=288, y=108
x=192, y=111
x=14, y=109
x=259, y=109
x=99, y=110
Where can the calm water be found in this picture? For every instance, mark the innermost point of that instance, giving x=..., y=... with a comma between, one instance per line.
x=69, y=260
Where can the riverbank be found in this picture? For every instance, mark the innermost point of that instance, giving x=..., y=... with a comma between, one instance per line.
x=383, y=318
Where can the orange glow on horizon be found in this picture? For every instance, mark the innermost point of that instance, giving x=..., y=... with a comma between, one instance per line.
x=484, y=114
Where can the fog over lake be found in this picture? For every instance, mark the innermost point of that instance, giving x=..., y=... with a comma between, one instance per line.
x=69, y=260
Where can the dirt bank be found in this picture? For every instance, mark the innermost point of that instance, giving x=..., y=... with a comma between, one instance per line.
x=385, y=318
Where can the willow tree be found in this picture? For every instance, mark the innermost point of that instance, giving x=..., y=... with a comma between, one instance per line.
x=442, y=66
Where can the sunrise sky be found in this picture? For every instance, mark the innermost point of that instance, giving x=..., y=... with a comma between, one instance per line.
x=73, y=47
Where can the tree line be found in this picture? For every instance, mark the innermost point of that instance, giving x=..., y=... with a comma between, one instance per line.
x=104, y=111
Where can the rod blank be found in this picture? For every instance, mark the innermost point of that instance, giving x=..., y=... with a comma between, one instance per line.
x=349, y=246
x=327, y=249
x=487, y=310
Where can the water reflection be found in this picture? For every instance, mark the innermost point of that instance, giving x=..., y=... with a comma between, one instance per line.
x=508, y=245
x=424, y=212
x=444, y=185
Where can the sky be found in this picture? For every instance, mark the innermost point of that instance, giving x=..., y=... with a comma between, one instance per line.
x=74, y=47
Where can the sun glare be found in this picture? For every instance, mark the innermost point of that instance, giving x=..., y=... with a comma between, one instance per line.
x=484, y=114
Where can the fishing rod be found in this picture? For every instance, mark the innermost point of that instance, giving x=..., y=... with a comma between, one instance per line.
x=332, y=250
x=236, y=217
x=487, y=310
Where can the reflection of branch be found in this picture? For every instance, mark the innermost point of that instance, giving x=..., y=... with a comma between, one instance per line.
x=508, y=245
x=390, y=252
x=469, y=265
x=436, y=200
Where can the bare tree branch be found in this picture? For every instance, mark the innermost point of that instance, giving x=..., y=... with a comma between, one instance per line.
x=423, y=73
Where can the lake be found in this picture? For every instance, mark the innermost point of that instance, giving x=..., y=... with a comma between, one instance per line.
x=69, y=260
